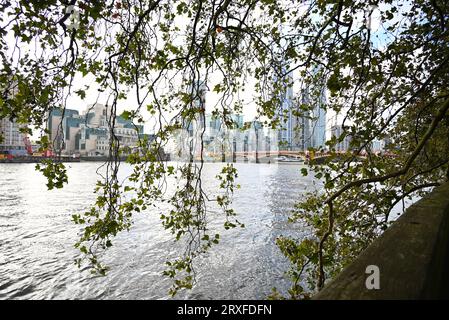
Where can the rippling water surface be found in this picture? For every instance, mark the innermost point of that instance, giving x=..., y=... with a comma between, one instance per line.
x=37, y=238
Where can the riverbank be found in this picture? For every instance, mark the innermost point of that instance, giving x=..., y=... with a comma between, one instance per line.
x=123, y=159
x=38, y=159
x=32, y=159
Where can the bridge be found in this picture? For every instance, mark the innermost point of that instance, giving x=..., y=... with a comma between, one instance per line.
x=267, y=156
x=315, y=157
x=279, y=153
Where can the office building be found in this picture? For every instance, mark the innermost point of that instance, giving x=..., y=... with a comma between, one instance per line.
x=89, y=134
x=318, y=122
x=12, y=141
x=345, y=144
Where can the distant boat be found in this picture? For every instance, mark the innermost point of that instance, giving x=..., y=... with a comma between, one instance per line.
x=289, y=159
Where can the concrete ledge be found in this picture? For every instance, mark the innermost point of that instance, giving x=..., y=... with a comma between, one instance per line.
x=412, y=256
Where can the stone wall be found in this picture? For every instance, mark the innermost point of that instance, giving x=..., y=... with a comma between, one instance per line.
x=412, y=256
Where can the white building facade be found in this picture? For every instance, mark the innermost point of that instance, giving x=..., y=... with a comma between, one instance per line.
x=12, y=141
x=89, y=134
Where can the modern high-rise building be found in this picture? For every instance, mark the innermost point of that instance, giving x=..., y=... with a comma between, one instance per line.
x=195, y=121
x=377, y=146
x=318, y=122
x=294, y=131
x=303, y=137
x=374, y=146
x=344, y=145
x=287, y=119
x=237, y=120
x=301, y=129
x=188, y=141
x=215, y=125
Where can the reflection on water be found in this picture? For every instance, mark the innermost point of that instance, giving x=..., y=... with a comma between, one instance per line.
x=37, y=237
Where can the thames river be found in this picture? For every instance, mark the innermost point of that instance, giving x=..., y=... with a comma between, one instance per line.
x=37, y=237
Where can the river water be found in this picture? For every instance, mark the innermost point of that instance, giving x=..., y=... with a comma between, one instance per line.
x=37, y=238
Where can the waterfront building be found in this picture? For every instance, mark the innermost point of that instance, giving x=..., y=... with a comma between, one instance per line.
x=289, y=124
x=302, y=137
x=89, y=134
x=256, y=137
x=377, y=146
x=12, y=141
x=204, y=135
x=237, y=119
x=215, y=125
x=301, y=129
x=315, y=98
x=388, y=144
x=211, y=137
x=63, y=125
x=189, y=140
x=318, y=122
x=344, y=145
x=213, y=128
x=194, y=122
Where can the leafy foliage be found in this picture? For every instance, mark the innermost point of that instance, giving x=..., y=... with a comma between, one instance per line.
x=385, y=83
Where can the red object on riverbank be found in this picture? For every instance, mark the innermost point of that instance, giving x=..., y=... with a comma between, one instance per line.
x=48, y=153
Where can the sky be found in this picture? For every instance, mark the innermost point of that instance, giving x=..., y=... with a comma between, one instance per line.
x=249, y=109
